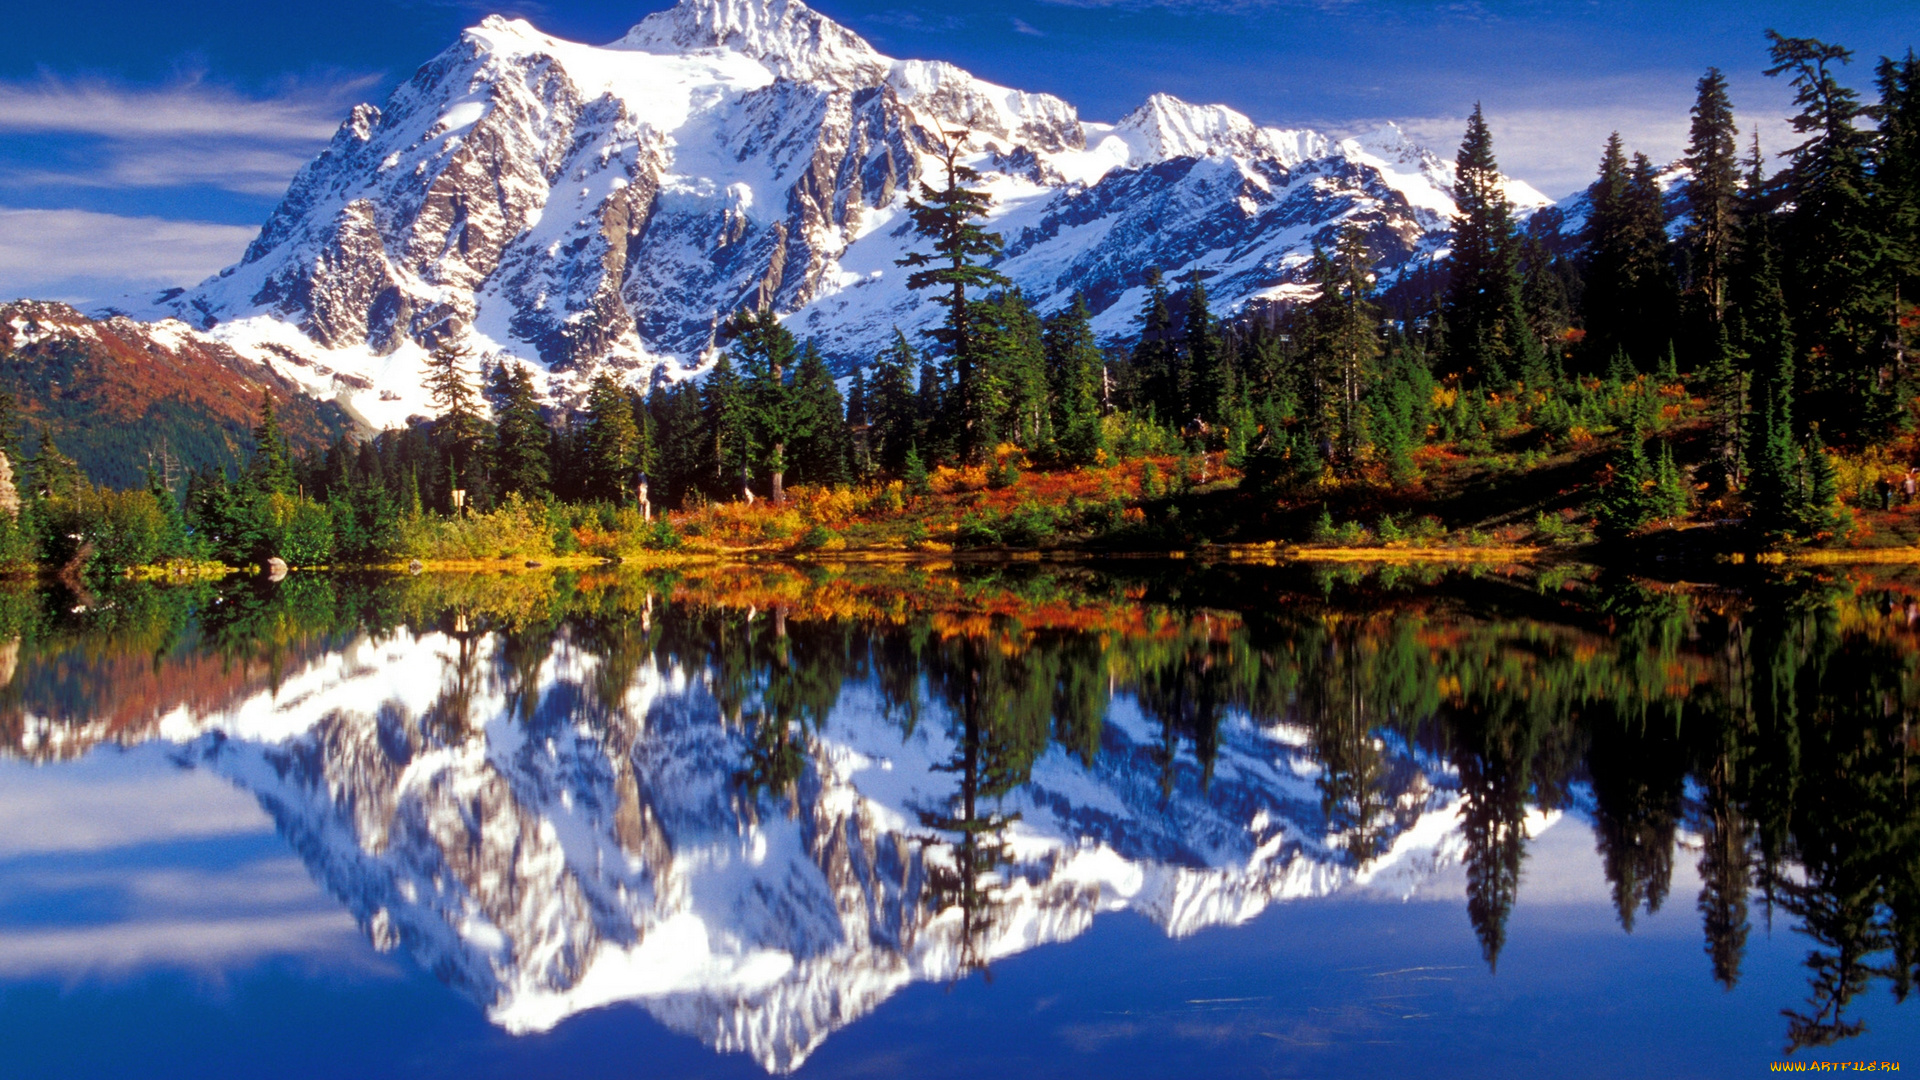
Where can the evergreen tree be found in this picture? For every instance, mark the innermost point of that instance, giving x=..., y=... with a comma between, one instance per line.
x=1897, y=179
x=1399, y=405
x=1074, y=367
x=1712, y=195
x=682, y=441
x=10, y=428
x=1837, y=271
x=914, y=474
x=1545, y=291
x=861, y=452
x=54, y=474
x=1627, y=305
x=1773, y=489
x=1821, y=512
x=1670, y=497
x=1012, y=376
x=271, y=471
x=1157, y=370
x=1208, y=394
x=822, y=447
x=1627, y=499
x=458, y=427
x=730, y=444
x=610, y=443
x=521, y=464
x=893, y=409
x=767, y=352
x=936, y=416
x=1342, y=344
x=1488, y=338
x=950, y=217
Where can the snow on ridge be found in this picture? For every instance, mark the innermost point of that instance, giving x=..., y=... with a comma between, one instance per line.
x=791, y=39
x=587, y=208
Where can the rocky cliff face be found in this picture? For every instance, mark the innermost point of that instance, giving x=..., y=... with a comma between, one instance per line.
x=551, y=839
x=582, y=207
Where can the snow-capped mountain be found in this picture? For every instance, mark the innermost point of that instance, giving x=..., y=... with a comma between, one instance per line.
x=582, y=207
x=548, y=845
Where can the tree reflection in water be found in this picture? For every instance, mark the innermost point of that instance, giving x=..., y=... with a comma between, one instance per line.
x=1768, y=721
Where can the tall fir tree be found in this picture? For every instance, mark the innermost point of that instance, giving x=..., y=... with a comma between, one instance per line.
x=458, y=428
x=767, y=353
x=1013, y=368
x=822, y=450
x=949, y=217
x=682, y=441
x=1836, y=247
x=610, y=442
x=1074, y=369
x=1897, y=176
x=1342, y=343
x=1712, y=197
x=860, y=461
x=521, y=464
x=893, y=420
x=1157, y=372
x=1488, y=338
x=1765, y=338
x=731, y=444
x=1628, y=299
x=271, y=470
x=1209, y=382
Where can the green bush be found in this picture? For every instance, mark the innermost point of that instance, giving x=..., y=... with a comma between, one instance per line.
x=664, y=537
x=1003, y=474
x=819, y=537
x=1028, y=525
x=977, y=530
x=515, y=528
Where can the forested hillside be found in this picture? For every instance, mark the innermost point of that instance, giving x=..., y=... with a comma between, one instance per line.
x=117, y=396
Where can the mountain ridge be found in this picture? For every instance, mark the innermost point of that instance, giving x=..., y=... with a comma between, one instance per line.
x=587, y=208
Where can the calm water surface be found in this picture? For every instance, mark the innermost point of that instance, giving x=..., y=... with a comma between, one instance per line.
x=876, y=822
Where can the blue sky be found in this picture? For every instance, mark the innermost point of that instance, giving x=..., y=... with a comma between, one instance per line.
x=141, y=144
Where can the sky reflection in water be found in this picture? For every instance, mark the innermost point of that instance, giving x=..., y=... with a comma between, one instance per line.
x=858, y=822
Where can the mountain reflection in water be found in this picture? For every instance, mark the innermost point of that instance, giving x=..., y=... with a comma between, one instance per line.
x=759, y=801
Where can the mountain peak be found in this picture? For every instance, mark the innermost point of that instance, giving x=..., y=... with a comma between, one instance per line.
x=791, y=39
x=1171, y=128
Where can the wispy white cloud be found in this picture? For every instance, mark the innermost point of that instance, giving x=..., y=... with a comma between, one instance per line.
x=902, y=19
x=103, y=803
x=1022, y=26
x=1554, y=142
x=191, y=133
x=191, y=108
x=244, y=170
x=116, y=844
x=79, y=255
x=182, y=918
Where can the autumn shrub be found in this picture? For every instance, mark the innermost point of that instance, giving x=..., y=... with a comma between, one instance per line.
x=115, y=529
x=515, y=528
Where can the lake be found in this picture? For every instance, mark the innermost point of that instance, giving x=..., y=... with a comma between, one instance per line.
x=1114, y=821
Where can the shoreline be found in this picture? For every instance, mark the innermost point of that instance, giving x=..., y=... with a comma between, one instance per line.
x=1269, y=553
